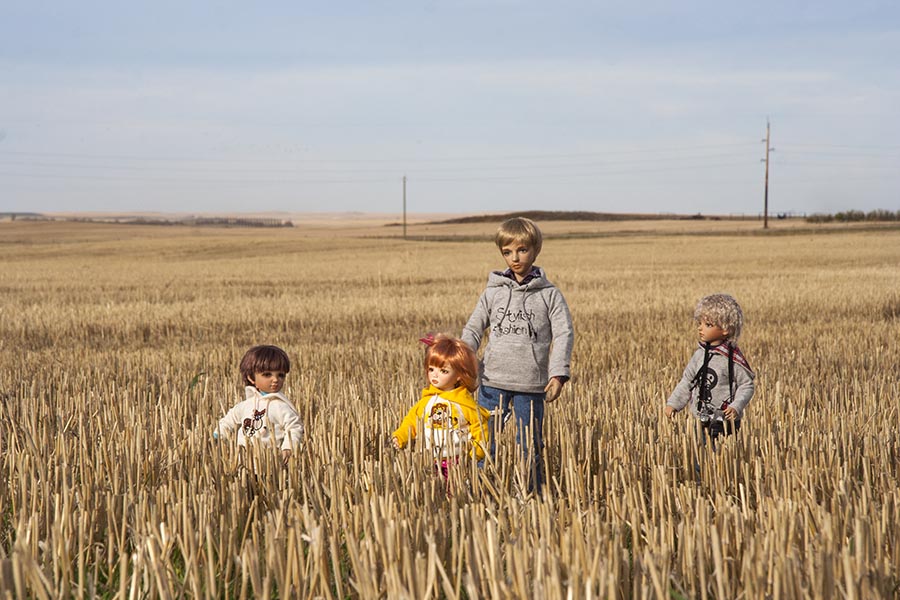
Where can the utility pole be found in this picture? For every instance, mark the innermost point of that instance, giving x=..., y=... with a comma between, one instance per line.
x=404, y=207
x=766, y=159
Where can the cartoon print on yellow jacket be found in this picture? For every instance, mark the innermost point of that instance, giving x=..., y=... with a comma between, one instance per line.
x=453, y=423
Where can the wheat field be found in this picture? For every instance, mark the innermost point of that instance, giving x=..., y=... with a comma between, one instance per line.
x=119, y=353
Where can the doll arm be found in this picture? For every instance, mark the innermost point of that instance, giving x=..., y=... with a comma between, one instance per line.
x=407, y=429
x=681, y=395
x=478, y=433
x=228, y=423
x=744, y=388
x=563, y=338
x=293, y=429
x=477, y=323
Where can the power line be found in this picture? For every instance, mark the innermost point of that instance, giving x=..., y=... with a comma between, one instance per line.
x=706, y=163
x=530, y=176
x=152, y=158
x=301, y=170
x=192, y=180
x=844, y=146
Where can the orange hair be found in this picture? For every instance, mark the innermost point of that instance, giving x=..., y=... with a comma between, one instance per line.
x=454, y=352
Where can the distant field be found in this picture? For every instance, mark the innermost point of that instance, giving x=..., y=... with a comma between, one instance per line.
x=437, y=225
x=119, y=346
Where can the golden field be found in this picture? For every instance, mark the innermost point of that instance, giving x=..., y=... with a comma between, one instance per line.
x=119, y=352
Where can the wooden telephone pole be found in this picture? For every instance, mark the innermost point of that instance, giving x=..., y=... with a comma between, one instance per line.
x=766, y=200
x=404, y=207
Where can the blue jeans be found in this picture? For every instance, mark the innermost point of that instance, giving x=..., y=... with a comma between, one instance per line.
x=529, y=411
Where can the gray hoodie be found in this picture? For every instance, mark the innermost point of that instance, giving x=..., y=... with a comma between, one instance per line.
x=529, y=333
x=742, y=386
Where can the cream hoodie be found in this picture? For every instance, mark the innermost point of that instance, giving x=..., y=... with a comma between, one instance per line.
x=264, y=420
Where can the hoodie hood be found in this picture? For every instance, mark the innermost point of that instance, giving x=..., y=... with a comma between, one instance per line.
x=459, y=395
x=251, y=393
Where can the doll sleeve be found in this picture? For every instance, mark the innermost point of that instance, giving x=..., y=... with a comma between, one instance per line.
x=228, y=423
x=563, y=337
x=477, y=323
x=681, y=395
x=293, y=428
x=744, y=388
x=407, y=429
x=478, y=428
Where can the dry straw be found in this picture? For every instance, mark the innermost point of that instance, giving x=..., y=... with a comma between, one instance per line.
x=120, y=349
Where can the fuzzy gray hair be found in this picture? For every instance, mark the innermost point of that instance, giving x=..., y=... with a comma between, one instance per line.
x=722, y=311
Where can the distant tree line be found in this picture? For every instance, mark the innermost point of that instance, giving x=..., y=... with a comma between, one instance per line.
x=202, y=221
x=855, y=216
x=238, y=222
x=25, y=216
x=129, y=220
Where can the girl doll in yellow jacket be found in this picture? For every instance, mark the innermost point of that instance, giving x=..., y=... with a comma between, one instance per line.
x=452, y=422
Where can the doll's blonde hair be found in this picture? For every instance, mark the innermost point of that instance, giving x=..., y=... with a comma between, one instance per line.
x=721, y=310
x=519, y=229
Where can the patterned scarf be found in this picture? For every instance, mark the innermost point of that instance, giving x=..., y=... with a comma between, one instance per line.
x=736, y=353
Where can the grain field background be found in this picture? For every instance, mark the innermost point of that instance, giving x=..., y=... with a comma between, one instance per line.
x=119, y=348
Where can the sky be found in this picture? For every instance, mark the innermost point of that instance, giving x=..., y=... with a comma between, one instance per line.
x=483, y=106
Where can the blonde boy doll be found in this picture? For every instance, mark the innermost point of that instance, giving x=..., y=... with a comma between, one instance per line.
x=717, y=383
x=526, y=360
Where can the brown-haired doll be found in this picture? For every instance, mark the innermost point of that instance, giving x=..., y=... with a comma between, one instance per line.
x=265, y=416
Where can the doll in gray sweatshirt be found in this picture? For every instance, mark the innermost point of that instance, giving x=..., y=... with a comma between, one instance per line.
x=529, y=340
x=717, y=383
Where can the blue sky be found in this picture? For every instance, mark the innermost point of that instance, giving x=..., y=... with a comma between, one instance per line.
x=496, y=105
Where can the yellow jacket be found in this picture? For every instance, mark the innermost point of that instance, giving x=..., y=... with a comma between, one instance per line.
x=452, y=423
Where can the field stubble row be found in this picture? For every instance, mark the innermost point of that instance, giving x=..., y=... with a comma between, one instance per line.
x=118, y=364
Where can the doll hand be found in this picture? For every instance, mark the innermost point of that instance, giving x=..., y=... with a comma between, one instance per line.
x=286, y=455
x=730, y=413
x=395, y=443
x=670, y=412
x=553, y=389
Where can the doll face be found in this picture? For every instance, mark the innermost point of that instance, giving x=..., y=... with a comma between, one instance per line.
x=444, y=378
x=268, y=382
x=710, y=333
x=519, y=258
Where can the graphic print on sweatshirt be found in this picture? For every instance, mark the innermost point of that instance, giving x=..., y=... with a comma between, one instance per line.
x=251, y=426
x=708, y=380
x=514, y=322
x=706, y=390
x=445, y=434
